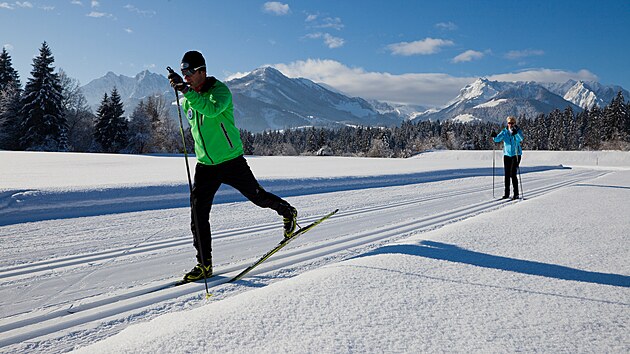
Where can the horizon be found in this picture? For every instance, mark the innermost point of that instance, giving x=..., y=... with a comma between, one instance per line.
x=424, y=57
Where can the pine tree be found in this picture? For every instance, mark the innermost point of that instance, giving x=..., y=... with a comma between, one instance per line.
x=43, y=124
x=118, y=122
x=101, y=123
x=8, y=75
x=111, y=127
x=616, y=118
x=594, y=128
x=10, y=93
x=556, y=130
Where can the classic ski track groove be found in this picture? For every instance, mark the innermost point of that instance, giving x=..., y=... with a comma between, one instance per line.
x=119, y=304
x=53, y=264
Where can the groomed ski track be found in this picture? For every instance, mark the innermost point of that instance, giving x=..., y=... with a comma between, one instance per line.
x=99, y=293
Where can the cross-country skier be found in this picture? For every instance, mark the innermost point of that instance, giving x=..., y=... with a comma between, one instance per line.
x=511, y=136
x=207, y=104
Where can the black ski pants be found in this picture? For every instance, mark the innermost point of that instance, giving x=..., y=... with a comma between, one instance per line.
x=208, y=179
x=510, y=164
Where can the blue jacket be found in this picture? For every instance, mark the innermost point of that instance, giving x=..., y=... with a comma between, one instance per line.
x=511, y=143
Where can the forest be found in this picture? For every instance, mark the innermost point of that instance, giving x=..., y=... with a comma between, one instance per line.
x=51, y=114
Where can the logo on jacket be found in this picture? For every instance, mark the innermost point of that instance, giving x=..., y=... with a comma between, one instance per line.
x=190, y=113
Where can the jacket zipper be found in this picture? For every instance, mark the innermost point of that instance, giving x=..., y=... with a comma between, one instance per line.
x=203, y=142
x=226, y=136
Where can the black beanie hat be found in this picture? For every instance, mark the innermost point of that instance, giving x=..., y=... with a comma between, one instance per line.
x=193, y=60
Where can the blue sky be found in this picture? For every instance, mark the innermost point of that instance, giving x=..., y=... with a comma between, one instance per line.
x=420, y=52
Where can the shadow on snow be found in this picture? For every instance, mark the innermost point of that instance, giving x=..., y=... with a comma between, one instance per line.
x=34, y=205
x=452, y=253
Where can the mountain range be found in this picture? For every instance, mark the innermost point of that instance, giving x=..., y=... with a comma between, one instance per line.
x=485, y=100
x=265, y=99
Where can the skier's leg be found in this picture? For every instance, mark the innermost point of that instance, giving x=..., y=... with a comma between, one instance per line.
x=507, y=167
x=515, y=162
x=240, y=176
x=204, y=188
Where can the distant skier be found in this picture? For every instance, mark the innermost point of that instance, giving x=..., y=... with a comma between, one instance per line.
x=511, y=136
x=207, y=104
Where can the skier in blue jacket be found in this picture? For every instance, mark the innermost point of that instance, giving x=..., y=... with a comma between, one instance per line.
x=511, y=136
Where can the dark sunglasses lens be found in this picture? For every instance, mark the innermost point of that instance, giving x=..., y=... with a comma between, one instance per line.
x=188, y=72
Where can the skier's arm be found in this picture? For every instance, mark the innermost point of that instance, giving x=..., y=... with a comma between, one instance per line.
x=212, y=105
x=499, y=138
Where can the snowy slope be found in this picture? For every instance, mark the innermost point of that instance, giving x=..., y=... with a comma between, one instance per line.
x=485, y=100
x=420, y=257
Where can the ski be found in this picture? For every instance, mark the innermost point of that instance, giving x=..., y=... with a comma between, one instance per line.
x=176, y=283
x=283, y=243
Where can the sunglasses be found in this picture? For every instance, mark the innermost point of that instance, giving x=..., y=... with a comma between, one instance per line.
x=191, y=72
x=510, y=123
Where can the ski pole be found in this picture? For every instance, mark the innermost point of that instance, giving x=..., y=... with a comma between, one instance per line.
x=192, y=205
x=520, y=179
x=493, y=148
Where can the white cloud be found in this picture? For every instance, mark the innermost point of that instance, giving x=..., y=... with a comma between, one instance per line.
x=276, y=8
x=468, y=55
x=448, y=26
x=331, y=22
x=333, y=42
x=128, y=30
x=519, y=54
x=427, y=89
x=545, y=75
x=424, y=89
x=6, y=5
x=315, y=21
x=97, y=14
x=76, y=2
x=24, y=4
x=148, y=13
x=95, y=3
x=330, y=40
x=422, y=47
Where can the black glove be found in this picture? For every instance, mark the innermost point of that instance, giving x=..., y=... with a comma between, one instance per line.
x=177, y=82
x=514, y=130
x=493, y=135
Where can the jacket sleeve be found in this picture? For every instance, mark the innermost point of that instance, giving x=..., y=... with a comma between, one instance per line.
x=499, y=138
x=519, y=136
x=210, y=105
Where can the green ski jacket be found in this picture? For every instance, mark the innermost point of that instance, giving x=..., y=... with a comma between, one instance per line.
x=210, y=114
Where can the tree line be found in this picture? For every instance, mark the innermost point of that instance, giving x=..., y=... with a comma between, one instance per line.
x=51, y=114
x=596, y=128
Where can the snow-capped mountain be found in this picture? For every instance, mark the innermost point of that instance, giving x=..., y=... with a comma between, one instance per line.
x=131, y=89
x=485, y=100
x=266, y=99
x=587, y=94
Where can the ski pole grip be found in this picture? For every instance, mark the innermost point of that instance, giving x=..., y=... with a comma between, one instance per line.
x=170, y=70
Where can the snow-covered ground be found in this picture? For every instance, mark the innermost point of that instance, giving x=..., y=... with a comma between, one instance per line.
x=420, y=258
